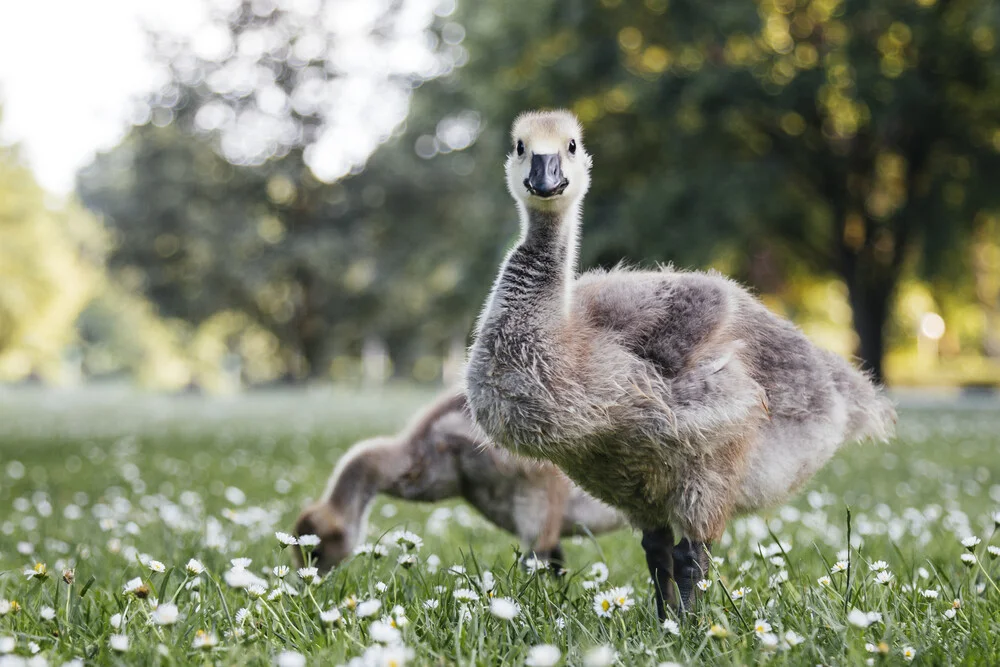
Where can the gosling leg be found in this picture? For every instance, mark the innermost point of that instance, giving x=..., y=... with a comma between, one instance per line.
x=658, y=544
x=690, y=566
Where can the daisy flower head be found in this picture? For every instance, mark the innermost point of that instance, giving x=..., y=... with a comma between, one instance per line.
x=407, y=540
x=456, y=570
x=793, y=639
x=971, y=542
x=996, y=520
x=384, y=632
x=930, y=594
x=37, y=571
x=884, y=577
x=309, y=540
x=256, y=590
x=717, y=631
x=69, y=575
x=46, y=613
x=368, y=608
x=968, y=560
x=704, y=584
x=671, y=626
x=543, y=655
x=909, y=653
x=381, y=586
x=622, y=595
x=8, y=644
x=406, y=561
x=768, y=641
x=136, y=588
x=465, y=595
x=165, y=614
x=487, y=581
x=286, y=540
x=280, y=571
x=118, y=643
x=950, y=613
x=993, y=551
x=761, y=627
x=330, y=616
x=777, y=579
x=878, y=566
x=240, y=563
x=308, y=574
x=596, y=576
x=534, y=564
x=740, y=593
x=838, y=567
x=5, y=606
x=156, y=566
x=824, y=580
x=504, y=608
x=204, y=640
x=241, y=615
x=431, y=604
x=604, y=604
x=600, y=656
x=290, y=659
x=859, y=619
x=194, y=567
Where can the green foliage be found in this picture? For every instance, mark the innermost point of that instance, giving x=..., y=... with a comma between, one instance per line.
x=50, y=267
x=108, y=479
x=843, y=139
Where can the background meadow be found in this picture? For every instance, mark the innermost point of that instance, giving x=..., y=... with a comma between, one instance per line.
x=101, y=482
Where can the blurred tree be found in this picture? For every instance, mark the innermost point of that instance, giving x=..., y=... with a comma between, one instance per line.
x=859, y=137
x=50, y=266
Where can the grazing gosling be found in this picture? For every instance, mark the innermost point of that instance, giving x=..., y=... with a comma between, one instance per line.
x=443, y=455
x=676, y=397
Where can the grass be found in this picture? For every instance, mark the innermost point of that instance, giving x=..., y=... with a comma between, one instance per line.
x=97, y=483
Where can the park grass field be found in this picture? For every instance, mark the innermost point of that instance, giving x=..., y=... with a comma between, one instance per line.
x=120, y=492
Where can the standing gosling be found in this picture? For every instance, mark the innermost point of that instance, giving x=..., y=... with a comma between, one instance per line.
x=442, y=455
x=676, y=397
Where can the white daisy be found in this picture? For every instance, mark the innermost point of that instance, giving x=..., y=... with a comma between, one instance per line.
x=431, y=604
x=280, y=571
x=118, y=643
x=309, y=540
x=604, y=604
x=406, y=560
x=381, y=586
x=384, y=632
x=824, y=580
x=505, y=608
x=971, y=542
x=600, y=656
x=241, y=563
x=308, y=574
x=717, y=631
x=165, y=614
x=883, y=577
x=968, y=560
x=622, y=596
x=993, y=551
x=909, y=653
x=761, y=627
x=45, y=613
x=289, y=659
x=285, y=539
x=740, y=593
x=242, y=614
x=330, y=616
x=839, y=566
x=858, y=619
x=793, y=639
x=204, y=640
x=405, y=539
x=930, y=594
x=768, y=641
x=671, y=626
x=465, y=595
x=543, y=655
x=704, y=584
x=950, y=613
x=368, y=608
x=194, y=567
x=878, y=566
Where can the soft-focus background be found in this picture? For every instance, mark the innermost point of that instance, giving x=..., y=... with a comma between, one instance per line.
x=214, y=195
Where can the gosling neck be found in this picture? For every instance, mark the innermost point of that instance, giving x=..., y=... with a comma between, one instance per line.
x=361, y=475
x=541, y=268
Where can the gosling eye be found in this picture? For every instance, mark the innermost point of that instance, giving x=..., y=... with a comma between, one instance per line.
x=572, y=146
x=520, y=148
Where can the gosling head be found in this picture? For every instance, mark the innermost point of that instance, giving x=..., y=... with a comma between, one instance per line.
x=336, y=537
x=548, y=169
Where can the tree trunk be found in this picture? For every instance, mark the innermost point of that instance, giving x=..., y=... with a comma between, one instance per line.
x=870, y=306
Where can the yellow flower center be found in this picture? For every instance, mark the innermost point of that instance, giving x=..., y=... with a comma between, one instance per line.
x=605, y=605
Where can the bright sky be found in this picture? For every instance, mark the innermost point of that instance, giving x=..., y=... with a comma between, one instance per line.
x=68, y=70
x=71, y=69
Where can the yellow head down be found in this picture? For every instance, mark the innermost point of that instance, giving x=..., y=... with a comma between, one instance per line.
x=548, y=168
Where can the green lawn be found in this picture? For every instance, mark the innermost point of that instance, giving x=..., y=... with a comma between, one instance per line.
x=97, y=481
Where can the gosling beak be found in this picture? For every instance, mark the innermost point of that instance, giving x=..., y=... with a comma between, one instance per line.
x=545, y=178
